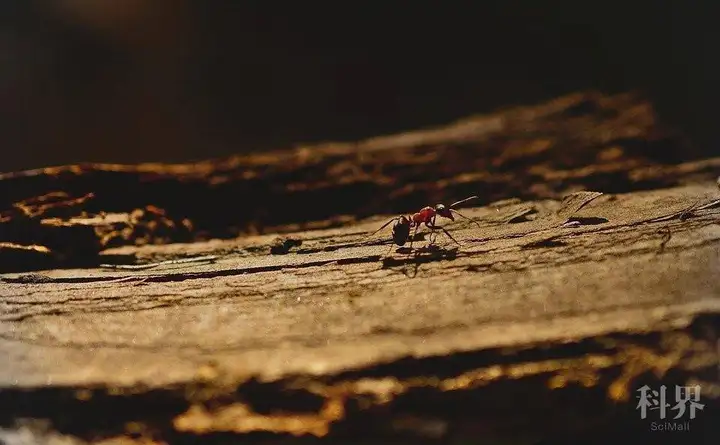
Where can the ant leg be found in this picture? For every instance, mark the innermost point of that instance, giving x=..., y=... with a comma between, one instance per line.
x=413, y=235
x=433, y=234
x=383, y=226
x=433, y=227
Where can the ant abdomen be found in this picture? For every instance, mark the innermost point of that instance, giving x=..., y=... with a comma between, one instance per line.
x=401, y=231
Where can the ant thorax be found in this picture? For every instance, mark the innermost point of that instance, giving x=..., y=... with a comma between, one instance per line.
x=424, y=215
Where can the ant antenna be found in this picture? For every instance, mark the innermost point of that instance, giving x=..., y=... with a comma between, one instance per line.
x=461, y=201
x=460, y=214
x=469, y=219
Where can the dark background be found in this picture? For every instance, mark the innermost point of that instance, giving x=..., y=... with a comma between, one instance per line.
x=175, y=80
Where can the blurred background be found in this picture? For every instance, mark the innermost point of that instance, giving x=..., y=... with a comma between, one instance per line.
x=180, y=80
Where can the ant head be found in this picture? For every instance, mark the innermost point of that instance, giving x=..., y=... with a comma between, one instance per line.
x=403, y=221
x=443, y=211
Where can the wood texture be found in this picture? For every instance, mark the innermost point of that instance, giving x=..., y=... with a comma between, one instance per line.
x=583, y=141
x=567, y=300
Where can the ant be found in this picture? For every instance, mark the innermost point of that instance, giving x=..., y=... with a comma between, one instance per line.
x=427, y=216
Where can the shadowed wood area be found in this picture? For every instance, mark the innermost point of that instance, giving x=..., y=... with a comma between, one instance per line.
x=65, y=215
x=132, y=312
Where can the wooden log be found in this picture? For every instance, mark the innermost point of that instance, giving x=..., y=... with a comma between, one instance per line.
x=542, y=325
x=334, y=338
x=583, y=141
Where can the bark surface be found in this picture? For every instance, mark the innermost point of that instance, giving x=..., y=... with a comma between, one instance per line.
x=592, y=272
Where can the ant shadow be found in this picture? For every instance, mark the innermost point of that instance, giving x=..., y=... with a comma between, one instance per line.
x=421, y=255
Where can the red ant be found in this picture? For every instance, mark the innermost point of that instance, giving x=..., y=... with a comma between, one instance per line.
x=427, y=216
